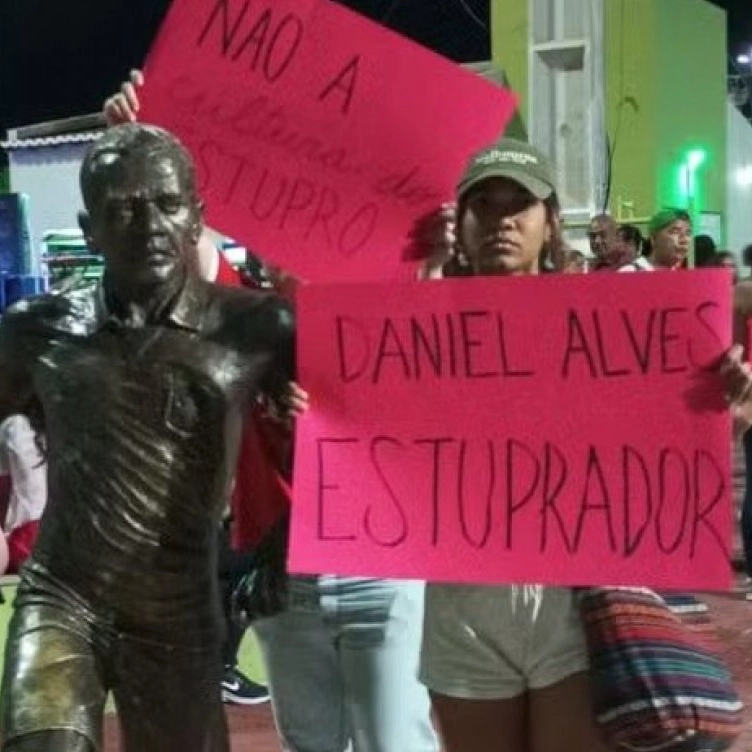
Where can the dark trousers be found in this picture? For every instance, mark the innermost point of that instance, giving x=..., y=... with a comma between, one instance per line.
x=747, y=505
x=233, y=566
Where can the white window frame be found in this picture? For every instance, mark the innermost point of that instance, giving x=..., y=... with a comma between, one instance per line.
x=591, y=50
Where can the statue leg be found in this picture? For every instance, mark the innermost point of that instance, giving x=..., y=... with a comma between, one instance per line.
x=52, y=690
x=50, y=741
x=169, y=698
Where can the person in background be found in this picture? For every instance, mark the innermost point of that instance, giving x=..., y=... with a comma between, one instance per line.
x=22, y=461
x=736, y=374
x=747, y=262
x=669, y=240
x=629, y=246
x=260, y=497
x=574, y=262
x=705, y=251
x=726, y=260
x=342, y=658
x=742, y=338
x=232, y=565
x=602, y=235
x=4, y=560
x=507, y=666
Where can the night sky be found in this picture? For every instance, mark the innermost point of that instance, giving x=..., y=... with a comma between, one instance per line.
x=739, y=24
x=62, y=57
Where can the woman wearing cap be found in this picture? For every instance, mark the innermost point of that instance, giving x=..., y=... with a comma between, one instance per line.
x=507, y=665
x=670, y=235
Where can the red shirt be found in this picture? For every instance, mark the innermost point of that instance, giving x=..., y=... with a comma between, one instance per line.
x=262, y=493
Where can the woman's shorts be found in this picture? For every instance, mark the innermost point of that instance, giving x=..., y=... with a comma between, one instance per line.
x=489, y=642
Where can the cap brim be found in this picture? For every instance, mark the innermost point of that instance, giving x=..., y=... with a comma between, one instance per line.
x=540, y=189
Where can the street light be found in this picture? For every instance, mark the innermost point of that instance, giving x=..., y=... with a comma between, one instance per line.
x=743, y=59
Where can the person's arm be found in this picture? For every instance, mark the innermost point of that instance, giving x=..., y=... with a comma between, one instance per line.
x=436, y=238
x=4, y=559
x=28, y=473
x=123, y=107
x=737, y=379
x=742, y=310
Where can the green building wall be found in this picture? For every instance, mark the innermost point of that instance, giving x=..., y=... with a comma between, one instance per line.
x=666, y=97
x=509, y=45
x=631, y=82
x=665, y=89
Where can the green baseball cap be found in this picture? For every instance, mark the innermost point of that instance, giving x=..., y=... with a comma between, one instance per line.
x=665, y=217
x=512, y=159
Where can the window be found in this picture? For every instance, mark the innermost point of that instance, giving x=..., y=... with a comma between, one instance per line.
x=567, y=113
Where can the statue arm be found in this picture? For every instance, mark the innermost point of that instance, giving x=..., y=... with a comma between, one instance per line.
x=280, y=339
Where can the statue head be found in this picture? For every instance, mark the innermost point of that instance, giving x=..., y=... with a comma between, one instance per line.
x=145, y=217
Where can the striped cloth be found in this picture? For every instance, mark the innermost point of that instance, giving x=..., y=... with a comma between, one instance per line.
x=659, y=684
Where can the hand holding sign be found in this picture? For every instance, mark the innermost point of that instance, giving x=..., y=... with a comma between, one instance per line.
x=737, y=376
x=320, y=137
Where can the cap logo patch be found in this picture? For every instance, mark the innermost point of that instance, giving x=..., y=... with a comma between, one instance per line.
x=496, y=155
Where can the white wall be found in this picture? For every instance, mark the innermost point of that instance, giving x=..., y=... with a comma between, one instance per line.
x=48, y=175
x=739, y=198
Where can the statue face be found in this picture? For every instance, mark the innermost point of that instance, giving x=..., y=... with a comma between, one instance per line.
x=145, y=218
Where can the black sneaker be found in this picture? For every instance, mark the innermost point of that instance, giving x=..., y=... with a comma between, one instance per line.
x=238, y=689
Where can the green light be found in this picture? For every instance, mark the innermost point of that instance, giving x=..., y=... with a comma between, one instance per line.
x=683, y=183
x=686, y=188
x=695, y=158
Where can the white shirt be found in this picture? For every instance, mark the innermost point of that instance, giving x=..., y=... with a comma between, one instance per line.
x=21, y=459
x=208, y=257
x=641, y=264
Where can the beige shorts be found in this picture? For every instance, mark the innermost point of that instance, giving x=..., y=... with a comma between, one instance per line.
x=492, y=643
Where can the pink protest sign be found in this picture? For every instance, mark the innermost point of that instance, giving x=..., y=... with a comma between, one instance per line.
x=562, y=430
x=320, y=137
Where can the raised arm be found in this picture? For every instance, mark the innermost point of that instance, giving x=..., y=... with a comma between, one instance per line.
x=123, y=107
x=737, y=378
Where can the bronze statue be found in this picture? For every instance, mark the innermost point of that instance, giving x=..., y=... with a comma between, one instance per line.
x=141, y=382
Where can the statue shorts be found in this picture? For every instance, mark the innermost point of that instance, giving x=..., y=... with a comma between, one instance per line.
x=62, y=660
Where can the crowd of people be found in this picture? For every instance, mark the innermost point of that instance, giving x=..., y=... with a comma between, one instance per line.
x=115, y=595
x=667, y=243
